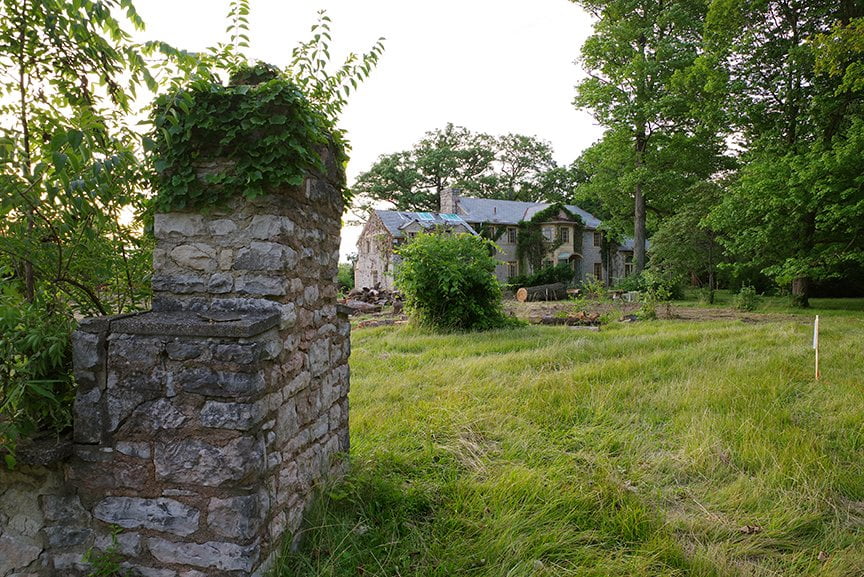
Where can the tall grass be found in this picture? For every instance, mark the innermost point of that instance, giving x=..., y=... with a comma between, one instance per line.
x=661, y=448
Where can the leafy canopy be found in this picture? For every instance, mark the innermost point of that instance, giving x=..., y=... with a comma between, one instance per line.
x=511, y=167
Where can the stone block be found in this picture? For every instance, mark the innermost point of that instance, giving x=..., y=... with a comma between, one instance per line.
x=220, y=283
x=260, y=285
x=222, y=556
x=179, y=283
x=184, y=350
x=193, y=461
x=265, y=256
x=17, y=553
x=88, y=350
x=157, y=415
x=132, y=449
x=319, y=357
x=240, y=353
x=222, y=227
x=238, y=518
x=196, y=256
x=206, y=381
x=134, y=570
x=166, y=515
x=237, y=416
x=63, y=536
x=177, y=225
x=127, y=543
x=89, y=422
x=269, y=226
x=63, y=509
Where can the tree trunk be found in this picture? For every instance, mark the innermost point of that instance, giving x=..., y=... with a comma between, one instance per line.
x=546, y=292
x=639, y=205
x=801, y=292
x=29, y=275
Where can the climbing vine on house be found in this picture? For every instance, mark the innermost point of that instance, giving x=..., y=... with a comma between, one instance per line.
x=532, y=246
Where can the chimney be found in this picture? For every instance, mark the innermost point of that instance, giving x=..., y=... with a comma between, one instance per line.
x=449, y=201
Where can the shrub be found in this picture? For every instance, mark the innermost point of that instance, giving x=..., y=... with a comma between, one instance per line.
x=653, y=280
x=449, y=283
x=594, y=289
x=36, y=386
x=345, y=277
x=548, y=275
x=747, y=299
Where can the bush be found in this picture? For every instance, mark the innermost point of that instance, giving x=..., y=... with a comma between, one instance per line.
x=345, y=277
x=36, y=386
x=594, y=289
x=449, y=282
x=548, y=275
x=654, y=280
x=747, y=299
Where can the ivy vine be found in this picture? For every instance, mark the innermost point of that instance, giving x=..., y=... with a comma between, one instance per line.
x=532, y=246
x=211, y=142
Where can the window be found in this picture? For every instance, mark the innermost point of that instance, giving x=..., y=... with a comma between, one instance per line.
x=512, y=269
x=628, y=268
x=511, y=234
x=564, y=234
x=598, y=270
x=598, y=238
x=547, y=232
x=427, y=216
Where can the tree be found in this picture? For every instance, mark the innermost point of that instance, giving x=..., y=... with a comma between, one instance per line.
x=631, y=59
x=511, y=167
x=68, y=74
x=795, y=208
x=685, y=245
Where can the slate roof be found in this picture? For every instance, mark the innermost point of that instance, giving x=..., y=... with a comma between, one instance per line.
x=491, y=211
x=395, y=221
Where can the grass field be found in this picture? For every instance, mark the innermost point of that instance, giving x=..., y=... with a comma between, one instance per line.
x=654, y=448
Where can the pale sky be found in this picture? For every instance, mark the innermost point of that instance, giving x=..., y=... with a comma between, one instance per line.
x=494, y=66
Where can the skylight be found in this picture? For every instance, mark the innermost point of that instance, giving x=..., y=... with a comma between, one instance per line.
x=427, y=216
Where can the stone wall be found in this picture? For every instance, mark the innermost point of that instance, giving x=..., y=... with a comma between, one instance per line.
x=202, y=426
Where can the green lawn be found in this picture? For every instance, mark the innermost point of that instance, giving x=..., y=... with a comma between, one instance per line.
x=641, y=450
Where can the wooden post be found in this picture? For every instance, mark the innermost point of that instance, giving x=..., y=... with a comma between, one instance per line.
x=816, y=344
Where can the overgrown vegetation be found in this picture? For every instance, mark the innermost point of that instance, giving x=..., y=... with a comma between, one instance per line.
x=249, y=138
x=532, y=246
x=664, y=448
x=448, y=281
x=73, y=177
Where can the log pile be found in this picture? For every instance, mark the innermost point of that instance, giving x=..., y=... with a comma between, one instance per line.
x=544, y=292
x=372, y=300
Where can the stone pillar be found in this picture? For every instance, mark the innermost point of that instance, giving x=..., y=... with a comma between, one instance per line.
x=203, y=426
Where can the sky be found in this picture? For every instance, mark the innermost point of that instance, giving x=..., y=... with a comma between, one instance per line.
x=494, y=66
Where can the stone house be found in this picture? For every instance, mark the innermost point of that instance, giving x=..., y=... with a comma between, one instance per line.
x=580, y=245
x=385, y=231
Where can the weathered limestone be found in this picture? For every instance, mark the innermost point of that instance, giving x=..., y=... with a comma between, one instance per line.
x=201, y=427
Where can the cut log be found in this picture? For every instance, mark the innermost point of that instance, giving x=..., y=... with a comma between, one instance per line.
x=543, y=292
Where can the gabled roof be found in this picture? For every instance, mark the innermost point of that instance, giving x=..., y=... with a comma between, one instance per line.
x=396, y=221
x=487, y=210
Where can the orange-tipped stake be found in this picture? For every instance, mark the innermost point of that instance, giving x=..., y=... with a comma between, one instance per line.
x=816, y=344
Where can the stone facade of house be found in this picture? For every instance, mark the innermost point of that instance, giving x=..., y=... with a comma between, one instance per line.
x=385, y=231
x=580, y=245
x=201, y=427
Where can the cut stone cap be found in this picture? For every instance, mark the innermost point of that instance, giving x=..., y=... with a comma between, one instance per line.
x=196, y=324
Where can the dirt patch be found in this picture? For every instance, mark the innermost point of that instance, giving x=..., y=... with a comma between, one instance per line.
x=534, y=312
